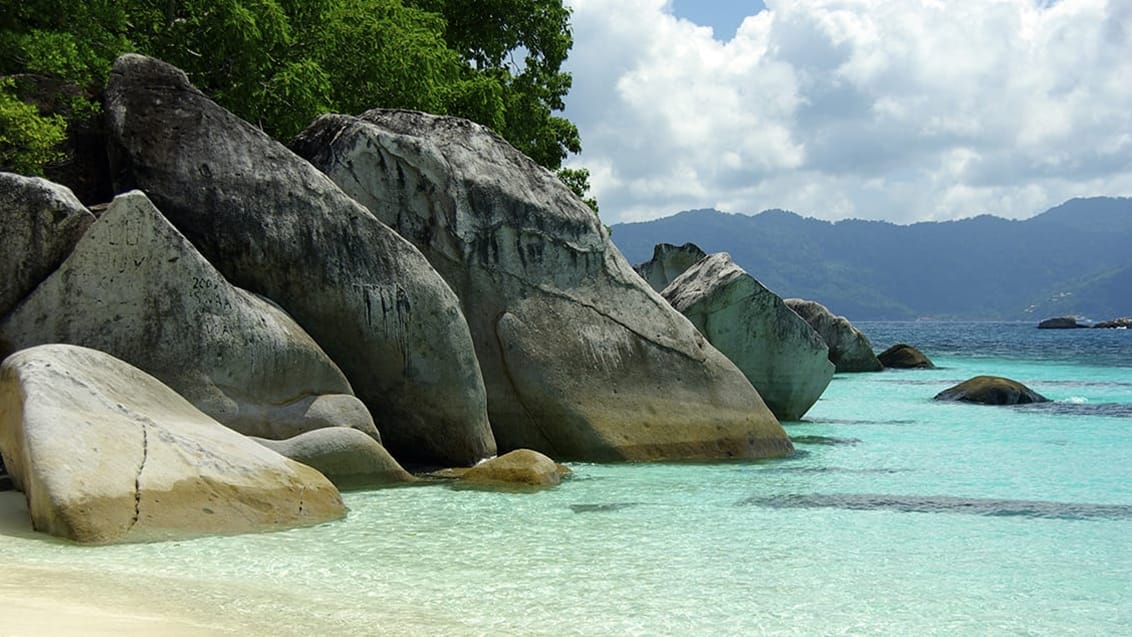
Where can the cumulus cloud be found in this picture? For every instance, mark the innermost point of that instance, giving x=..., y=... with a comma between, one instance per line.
x=882, y=109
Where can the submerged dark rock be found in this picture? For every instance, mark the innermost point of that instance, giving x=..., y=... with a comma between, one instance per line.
x=991, y=390
x=904, y=356
x=945, y=504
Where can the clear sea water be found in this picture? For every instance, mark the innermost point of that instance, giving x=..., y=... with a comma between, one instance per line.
x=897, y=516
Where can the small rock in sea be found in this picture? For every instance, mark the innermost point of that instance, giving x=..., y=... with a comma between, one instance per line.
x=1060, y=323
x=1120, y=323
x=521, y=467
x=904, y=356
x=991, y=390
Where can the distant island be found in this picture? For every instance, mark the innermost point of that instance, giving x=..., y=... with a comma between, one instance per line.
x=1073, y=259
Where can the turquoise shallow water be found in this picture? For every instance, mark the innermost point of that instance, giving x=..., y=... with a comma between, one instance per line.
x=898, y=516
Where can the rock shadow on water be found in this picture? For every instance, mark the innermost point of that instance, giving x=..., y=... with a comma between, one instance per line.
x=603, y=507
x=1034, y=509
x=852, y=421
x=824, y=440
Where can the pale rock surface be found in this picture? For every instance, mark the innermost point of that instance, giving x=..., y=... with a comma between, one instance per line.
x=273, y=224
x=582, y=360
x=521, y=467
x=669, y=262
x=849, y=349
x=135, y=288
x=40, y=222
x=782, y=356
x=347, y=457
x=105, y=453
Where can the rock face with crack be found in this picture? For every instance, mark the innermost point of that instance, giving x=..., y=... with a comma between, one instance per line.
x=849, y=349
x=39, y=224
x=106, y=453
x=274, y=225
x=582, y=360
x=136, y=289
x=668, y=262
x=782, y=356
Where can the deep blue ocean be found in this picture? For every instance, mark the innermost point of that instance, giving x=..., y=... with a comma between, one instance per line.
x=898, y=515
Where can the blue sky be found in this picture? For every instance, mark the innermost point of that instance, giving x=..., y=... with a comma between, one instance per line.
x=724, y=16
x=903, y=110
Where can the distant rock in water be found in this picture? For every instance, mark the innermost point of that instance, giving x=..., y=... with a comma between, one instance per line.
x=849, y=349
x=1060, y=323
x=581, y=358
x=782, y=356
x=991, y=390
x=668, y=262
x=1120, y=323
x=904, y=356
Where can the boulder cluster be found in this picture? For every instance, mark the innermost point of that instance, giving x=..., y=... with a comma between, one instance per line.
x=248, y=328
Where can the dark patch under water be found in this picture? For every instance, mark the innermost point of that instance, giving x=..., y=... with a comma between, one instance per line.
x=1113, y=410
x=787, y=469
x=604, y=507
x=823, y=440
x=945, y=504
x=847, y=421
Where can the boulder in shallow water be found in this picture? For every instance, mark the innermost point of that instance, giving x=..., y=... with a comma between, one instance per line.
x=849, y=349
x=521, y=467
x=135, y=288
x=39, y=224
x=582, y=360
x=904, y=356
x=782, y=356
x=273, y=224
x=349, y=458
x=668, y=262
x=991, y=390
x=1060, y=323
x=106, y=453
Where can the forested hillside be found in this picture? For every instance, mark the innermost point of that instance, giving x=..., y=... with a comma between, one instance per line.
x=1075, y=258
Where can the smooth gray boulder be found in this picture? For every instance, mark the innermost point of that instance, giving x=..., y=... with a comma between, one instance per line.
x=849, y=349
x=39, y=224
x=991, y=390
x=106, y=453
x=347, y=457
x=135, y=288
x=1117, y=323
x=904, y=356
x=782, y=356
x=273, y=224
x=669, y=262
x=582, y=360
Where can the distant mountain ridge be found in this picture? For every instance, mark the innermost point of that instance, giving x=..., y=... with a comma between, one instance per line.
x=1075, y=258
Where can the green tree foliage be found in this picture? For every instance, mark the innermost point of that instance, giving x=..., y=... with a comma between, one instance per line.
x=27, y=139
x=578, y=180
x=279, y=63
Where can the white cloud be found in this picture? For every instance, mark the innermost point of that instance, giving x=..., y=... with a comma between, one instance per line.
x=895, y=109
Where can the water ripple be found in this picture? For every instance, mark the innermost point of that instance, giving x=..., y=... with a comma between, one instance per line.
x=823, y=440
x=945, y=504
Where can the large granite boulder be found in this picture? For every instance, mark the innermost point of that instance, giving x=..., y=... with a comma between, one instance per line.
x=349, y=458
x=273, y=224
x=1060, y=323
x=849, y=349
x=668, y=262
x=782, y=356
x=136, y=289
x=39, y=224
x=991, y=390
x=904, y=356
x=106, y=453
x=582, y=360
